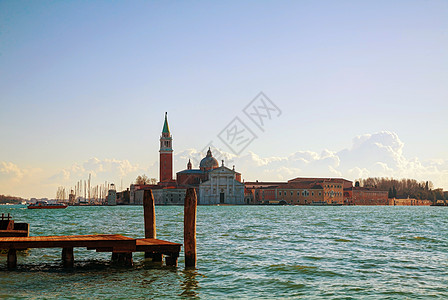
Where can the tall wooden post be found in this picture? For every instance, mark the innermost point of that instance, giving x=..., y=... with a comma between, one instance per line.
x=190, y=205
x=12, y=258
x=149, y=213
x=67, y=257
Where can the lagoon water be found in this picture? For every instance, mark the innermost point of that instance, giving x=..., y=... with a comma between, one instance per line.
x=260, y=252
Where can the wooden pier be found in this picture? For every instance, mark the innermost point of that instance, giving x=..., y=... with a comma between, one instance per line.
x=120, y=246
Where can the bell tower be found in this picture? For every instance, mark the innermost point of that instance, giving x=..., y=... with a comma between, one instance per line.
x=166, y=153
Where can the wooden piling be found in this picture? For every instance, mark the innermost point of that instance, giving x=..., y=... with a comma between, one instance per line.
x=149, y=215
x=122, y=259
x=190, y=205
x=68, y=259
x=171, y=260
x=12, y=258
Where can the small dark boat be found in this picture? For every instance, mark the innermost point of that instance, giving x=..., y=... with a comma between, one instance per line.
x=46, y=205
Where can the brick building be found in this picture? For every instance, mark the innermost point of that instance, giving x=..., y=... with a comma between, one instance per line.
x=368, y=196
x=298, y=191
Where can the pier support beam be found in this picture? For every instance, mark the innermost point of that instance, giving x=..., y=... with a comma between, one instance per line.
x=149, y=215
x=123, y=259
x=190, y=203
x=156, y=257
x=12, y=258
x=171, y=260
x=68, y=259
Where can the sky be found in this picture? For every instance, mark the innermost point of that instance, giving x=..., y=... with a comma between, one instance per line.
x=280, y=89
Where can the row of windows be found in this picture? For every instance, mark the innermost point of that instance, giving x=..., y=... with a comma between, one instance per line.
x=304, y=193
x=334, y=193
x=333, y=186
x=222, y=191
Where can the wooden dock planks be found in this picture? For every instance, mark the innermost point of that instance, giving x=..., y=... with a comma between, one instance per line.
x=116, y=242
x=155, y=245
x=121, y=246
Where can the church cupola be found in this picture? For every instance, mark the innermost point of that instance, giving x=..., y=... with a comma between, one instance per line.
x=208, y=162
x=189, y=167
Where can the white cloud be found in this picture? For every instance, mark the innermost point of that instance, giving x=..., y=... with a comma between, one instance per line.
x=370, y=155
x=111, y=170
x=14, y=179
x=11, y=171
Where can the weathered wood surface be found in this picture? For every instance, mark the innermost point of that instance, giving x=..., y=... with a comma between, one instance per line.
x=190, y=228
x=156, y=249
x=117, y=243
x=92, y=242
x=68, y=257
x=120, y=246
x=12, y=233
x=163, y=247
x=149, y=214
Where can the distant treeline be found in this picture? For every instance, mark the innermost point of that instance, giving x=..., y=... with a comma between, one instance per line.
x=404, y=188
x=10, y=199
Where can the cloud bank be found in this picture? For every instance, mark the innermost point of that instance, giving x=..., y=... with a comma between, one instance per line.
x=105, y=169
x=370, y=155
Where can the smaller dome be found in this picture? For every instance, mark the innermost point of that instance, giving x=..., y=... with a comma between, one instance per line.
x=208, y=162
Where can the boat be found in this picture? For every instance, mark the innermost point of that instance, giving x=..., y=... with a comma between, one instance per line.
x=46, y=205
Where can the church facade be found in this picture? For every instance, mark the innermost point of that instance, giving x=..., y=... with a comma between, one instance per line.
x=214, y=184
x=221, y=188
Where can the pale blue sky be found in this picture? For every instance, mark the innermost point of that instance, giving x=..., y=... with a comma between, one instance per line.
x=92, y=79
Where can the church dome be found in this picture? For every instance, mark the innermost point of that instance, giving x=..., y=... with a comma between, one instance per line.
x=208, y=162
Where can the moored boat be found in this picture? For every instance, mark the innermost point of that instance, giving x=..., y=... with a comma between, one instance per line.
x=46, y=205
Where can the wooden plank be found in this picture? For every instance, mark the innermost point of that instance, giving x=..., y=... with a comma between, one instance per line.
x=155, y=242
x=94, y=241
x=157, y=246
x=100, y=243
x=110, y=249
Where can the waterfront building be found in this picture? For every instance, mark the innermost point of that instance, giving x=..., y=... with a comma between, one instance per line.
x=213, y=184
x=368, y=196
x=112, y=195
x=169, y=196
x=222, y=187
x=298, y=191
x=123, y=197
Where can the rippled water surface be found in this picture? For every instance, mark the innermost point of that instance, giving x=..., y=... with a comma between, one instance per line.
x=245, y=252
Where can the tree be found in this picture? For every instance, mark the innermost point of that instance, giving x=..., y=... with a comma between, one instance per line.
x=390, y=194
x=394, y=192
x=141, y=180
